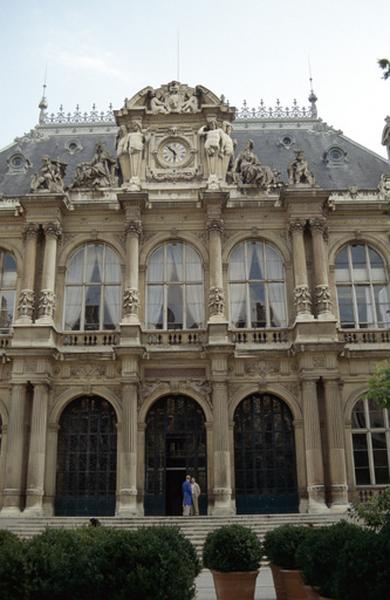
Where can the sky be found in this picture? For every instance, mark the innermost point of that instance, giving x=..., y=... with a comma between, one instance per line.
x=101, y=52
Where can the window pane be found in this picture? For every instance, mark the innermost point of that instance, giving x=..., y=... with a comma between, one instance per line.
x=344, y=296
x=277, y=305
x=360, y=454
x=73, y=300
x=237, y=264
x=7, y=300
x=112, y=272
x=274, y=263
x=359, y=264
x=255, y=260
x=194, y=306
x=94, y=268
x=257, y=305
x=111, y=306
x=155, y=270
x=193, y=265
x=175, y=307
x=381, y=463
x=377, y=266
x=364, y=306
x=381, y=293
x=155, y=306
x=175, y=262
x=92, y=305
x=9, y=271
x=342, y=265
x=376, y=414
x=359, y=416
x=238, y=304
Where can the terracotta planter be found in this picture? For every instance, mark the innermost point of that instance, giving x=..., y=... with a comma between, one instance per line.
x=293, y=584
x=311, y=593
x=278, y=582
x=234, y=585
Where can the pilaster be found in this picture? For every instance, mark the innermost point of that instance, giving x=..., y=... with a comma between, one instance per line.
x=37, y=453
x=323, y=301
x=47, y=298
x=26, y=298
x=302, y=296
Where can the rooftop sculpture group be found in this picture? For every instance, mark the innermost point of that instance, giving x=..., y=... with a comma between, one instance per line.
x=100, y=172
x=50, y=177
x=248, y=170
x=175, y=99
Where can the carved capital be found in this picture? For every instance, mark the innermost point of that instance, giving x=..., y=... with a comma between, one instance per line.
x=323, y=298
x=318, y=224
x=302, y=299
x=134, y=227
x=296, y=226
x=130, y=301
x=26, y=303
x=53, y=230
x=31, y=230
x=216, y=225
x=47, y=302
x=216, y=301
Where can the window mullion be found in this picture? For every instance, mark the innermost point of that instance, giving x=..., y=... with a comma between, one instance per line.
x=165, y=306
x=370, y=457
x=101, y=307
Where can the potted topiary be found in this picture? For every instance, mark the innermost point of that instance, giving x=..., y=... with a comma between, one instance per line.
x=233, y=554
x=280, y=546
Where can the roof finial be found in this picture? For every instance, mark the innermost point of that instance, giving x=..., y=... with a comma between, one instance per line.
x=43, y=103
x=312, y=97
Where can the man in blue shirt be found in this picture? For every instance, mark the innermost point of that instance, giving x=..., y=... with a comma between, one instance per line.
x=187, y=496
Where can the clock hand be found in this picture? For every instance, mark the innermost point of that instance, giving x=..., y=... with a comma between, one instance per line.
x=172, y=150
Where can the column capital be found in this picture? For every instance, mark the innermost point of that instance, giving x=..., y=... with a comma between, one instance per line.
x=319, y=225
x=215, y=224
x=31, y=231
x=296, y=225
x=52, y=229
x=134, y=227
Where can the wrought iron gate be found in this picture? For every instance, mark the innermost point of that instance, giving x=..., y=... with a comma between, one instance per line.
x=175, y=444
x=264, y=454
x=86, y=458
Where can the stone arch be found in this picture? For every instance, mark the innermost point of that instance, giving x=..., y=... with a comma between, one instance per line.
x=160, y=238
x=377, y=243
x=82, y=239
x=267, y=236
x=352, y=399
x=3, y=414
x=11, y=248
x=166, y=390
x=275, y=389
x=73, y=393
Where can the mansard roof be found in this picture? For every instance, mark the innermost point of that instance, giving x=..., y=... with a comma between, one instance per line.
x=336, y=161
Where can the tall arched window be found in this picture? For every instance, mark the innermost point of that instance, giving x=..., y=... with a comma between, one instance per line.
x=257, y=286
x=371, y=443
x=362, y=287
x=174, y=290
x=92, y=289
x=7, y=290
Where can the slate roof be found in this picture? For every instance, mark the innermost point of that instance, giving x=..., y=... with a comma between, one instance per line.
x=357, y=166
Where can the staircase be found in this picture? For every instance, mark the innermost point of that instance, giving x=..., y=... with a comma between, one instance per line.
x=194, y=528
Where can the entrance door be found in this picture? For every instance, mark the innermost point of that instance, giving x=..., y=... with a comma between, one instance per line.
x=175, y=444
x=264, y=456
x=86, y=459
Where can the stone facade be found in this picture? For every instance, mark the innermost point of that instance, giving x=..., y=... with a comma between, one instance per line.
x=177, y=183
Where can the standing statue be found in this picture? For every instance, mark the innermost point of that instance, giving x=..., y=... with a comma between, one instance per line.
x=227, y=148
x=122, y=152
x=50, y=177
x=213, y=148
x=136, y=144
x=298, y=170
x=386, y=136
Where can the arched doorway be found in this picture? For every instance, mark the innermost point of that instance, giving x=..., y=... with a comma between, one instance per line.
x=175, y=444
x=264, y=455
x=86, y=458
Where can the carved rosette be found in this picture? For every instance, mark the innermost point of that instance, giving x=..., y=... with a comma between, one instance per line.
x=216, y=225
x=134, y=227
x=130, y=302
x=302, y=299
x=323, y=298
x=31, y=230
x=216, y=301
x=53, y=230
x=26, y=303
x=47, y=302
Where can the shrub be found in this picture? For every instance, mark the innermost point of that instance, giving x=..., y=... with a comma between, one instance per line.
x=281, y=544
x=12, y=581
x=232, y=548
x=319, y=553
x=375, y=512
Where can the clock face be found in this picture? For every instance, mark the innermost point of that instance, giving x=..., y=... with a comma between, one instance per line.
x=174, y=153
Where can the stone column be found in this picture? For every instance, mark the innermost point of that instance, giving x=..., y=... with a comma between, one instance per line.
x=216, y=292
x=313, y=448
x=322, y=294
x=336, y=445
x=13, y=484
x=26, y=295
x=131, y=287
x=302, y=296
x=222, y=470
x=128, y=452
x=47, y=297
x=37, y=453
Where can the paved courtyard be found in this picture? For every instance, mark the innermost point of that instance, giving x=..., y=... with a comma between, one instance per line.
x=264, y=588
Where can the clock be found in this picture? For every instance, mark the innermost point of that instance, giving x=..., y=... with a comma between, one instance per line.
x=173, y=153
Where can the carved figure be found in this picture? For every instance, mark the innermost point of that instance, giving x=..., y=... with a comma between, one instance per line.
x=136, y=145
x=192, y=101
x=122, y=152
x=212, y=146
x=249, y=170
x=386, y=136
x=156, y=106
x=227, y=148
x=50, y=177
x=97, y=173
x=173, y=99
x=298, y=170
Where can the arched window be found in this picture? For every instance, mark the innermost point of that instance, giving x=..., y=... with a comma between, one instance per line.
x=7, y=290
x=362, y=287
x=92, y=289
x=257, y=286
x=371, y=443
x=174, y=290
